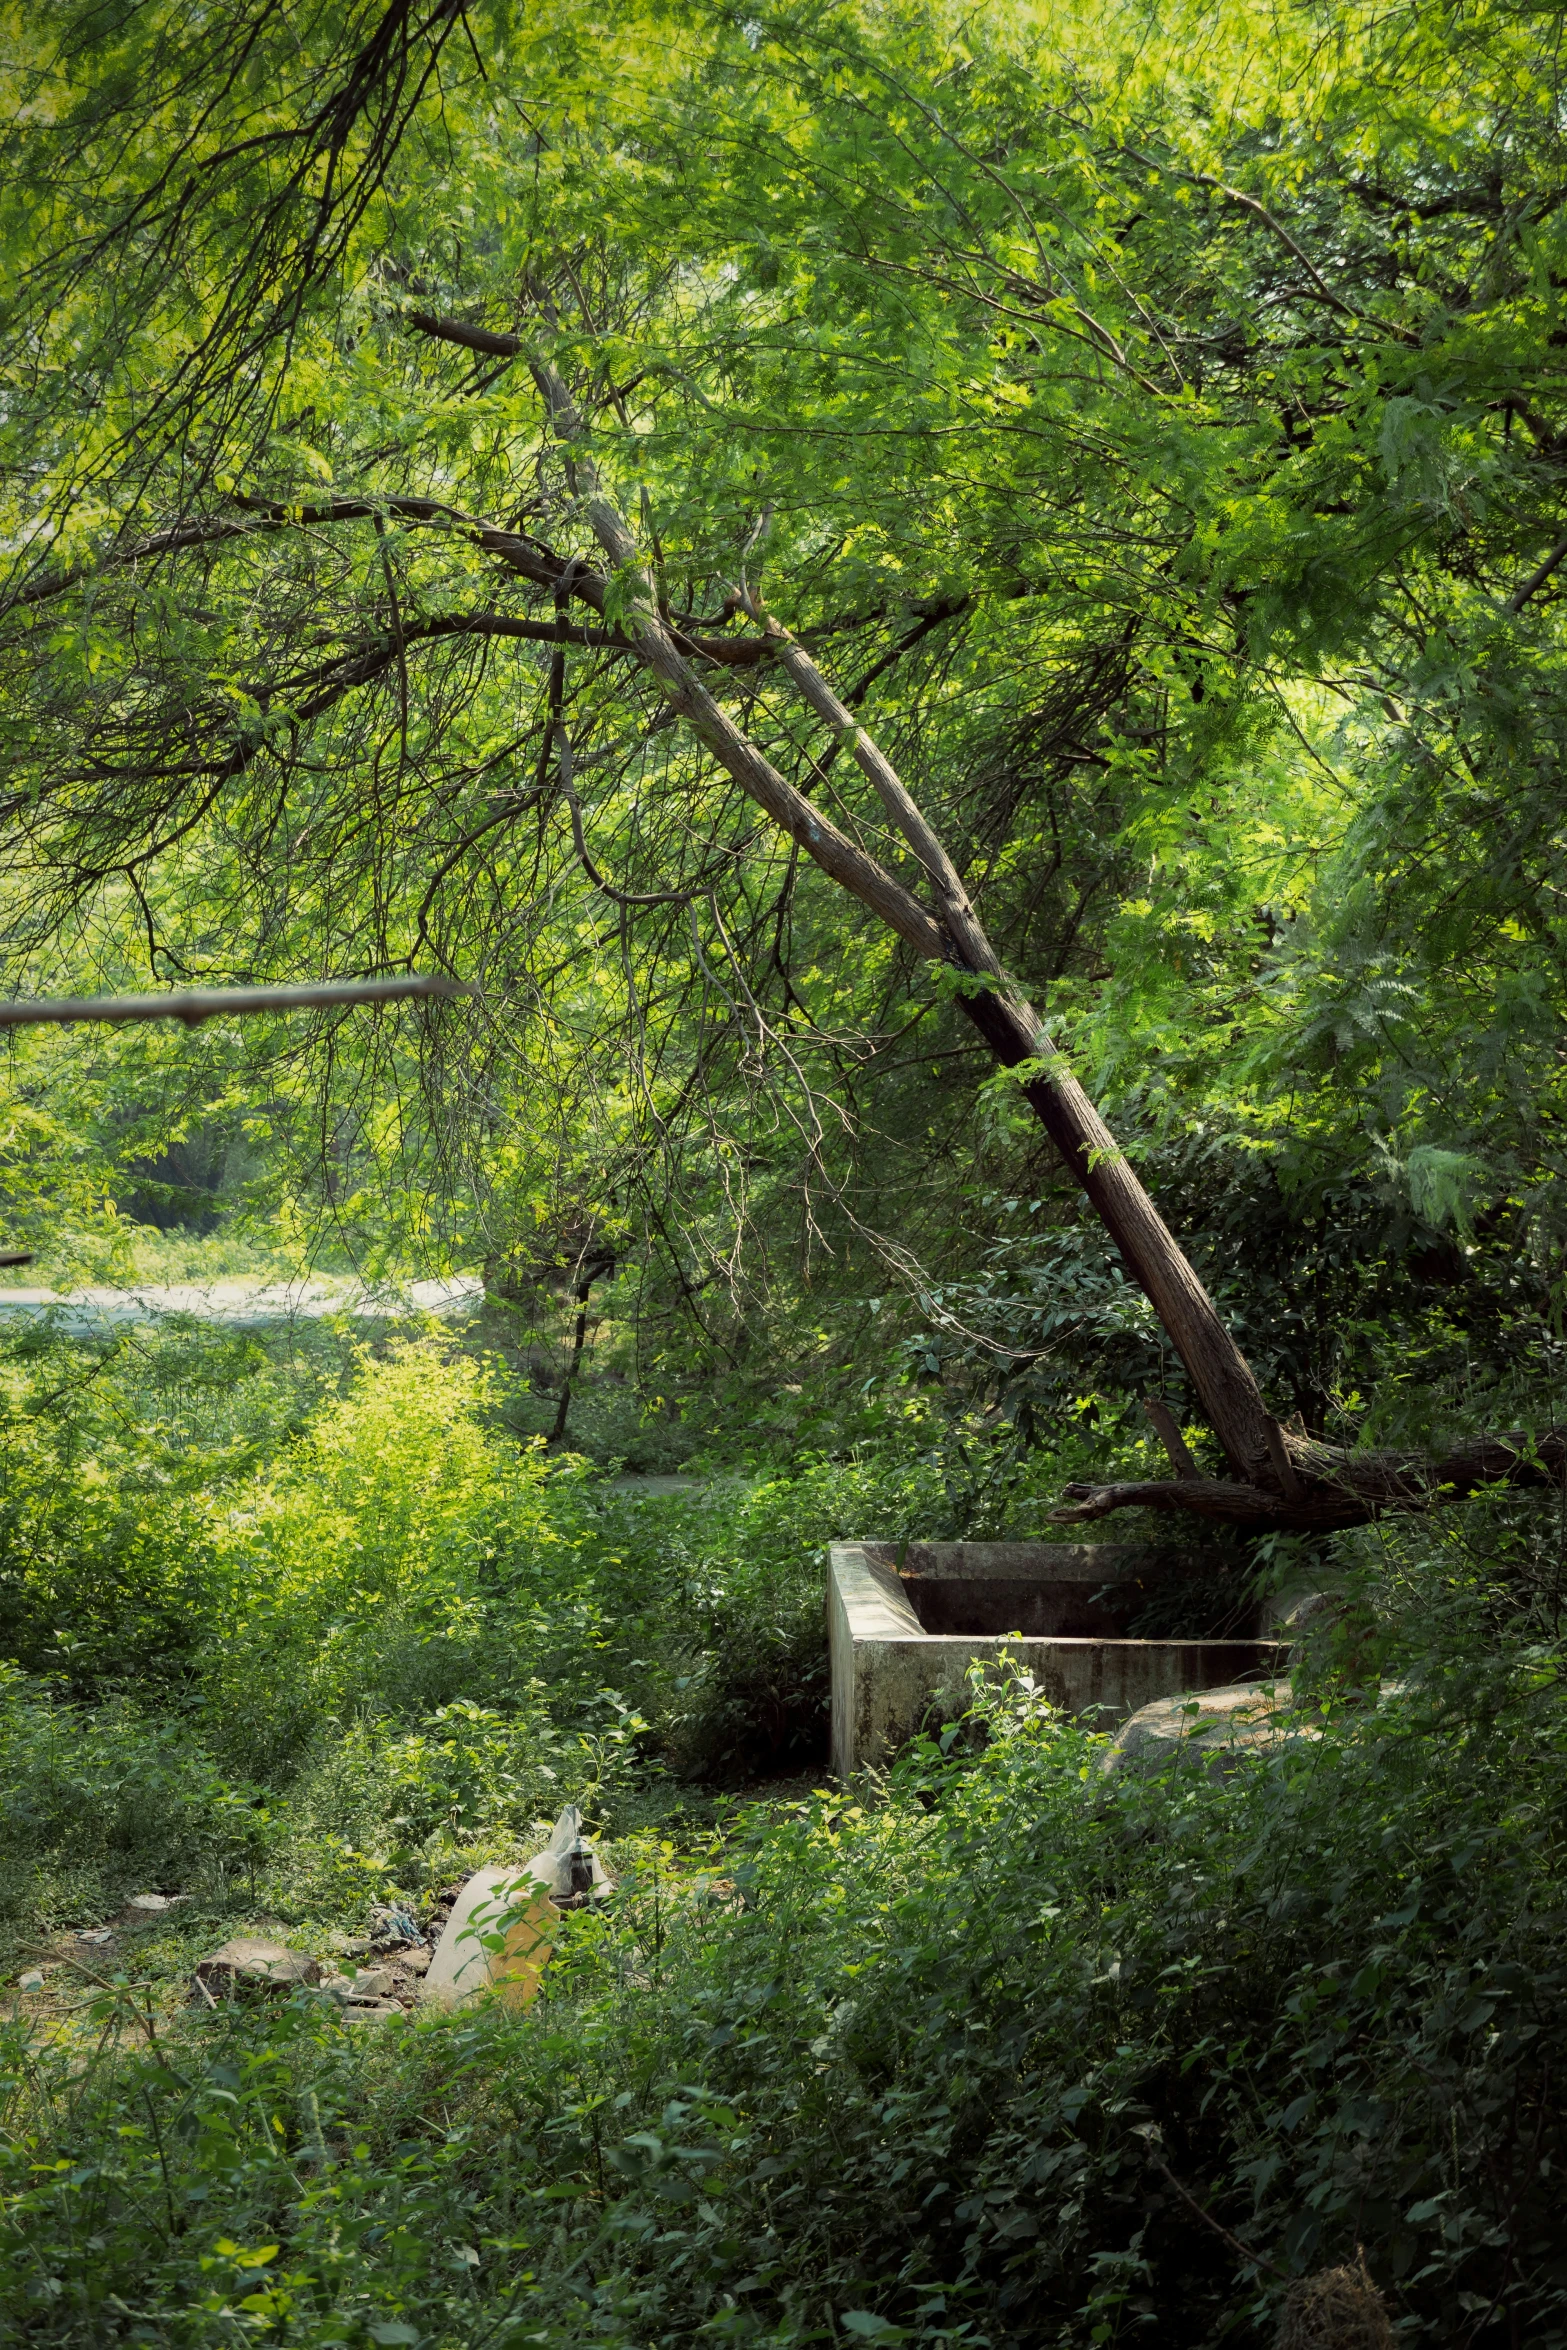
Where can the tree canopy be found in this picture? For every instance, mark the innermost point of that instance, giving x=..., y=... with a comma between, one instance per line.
x=1145, y=421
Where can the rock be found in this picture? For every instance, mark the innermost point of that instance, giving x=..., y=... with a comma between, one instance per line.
x=1287, y=1612
x=150, y=1902
x=360, y=2005
x=31, y=1981
x=416, y=1961
x=250, y=1963
x=374, y=1982
x=97, y=1934
x=348, y=1945
x=1215, y=1726
x=371, y=1987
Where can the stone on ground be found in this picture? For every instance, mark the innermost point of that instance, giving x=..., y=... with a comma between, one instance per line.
x=1216, y=1726
x=256, y=1964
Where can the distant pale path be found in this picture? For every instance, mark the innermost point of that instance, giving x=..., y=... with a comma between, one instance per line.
x=242, y=1301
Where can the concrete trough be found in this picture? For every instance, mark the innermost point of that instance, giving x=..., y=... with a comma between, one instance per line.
x=905, y=1621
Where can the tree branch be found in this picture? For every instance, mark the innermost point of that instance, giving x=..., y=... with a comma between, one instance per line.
x=195, y=1004
x=1335, y=1488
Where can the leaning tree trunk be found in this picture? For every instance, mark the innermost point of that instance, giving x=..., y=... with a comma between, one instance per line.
x=1220, y=1374
x=1277, y=1478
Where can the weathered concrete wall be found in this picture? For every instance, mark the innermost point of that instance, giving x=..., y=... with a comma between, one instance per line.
x=888, y=1671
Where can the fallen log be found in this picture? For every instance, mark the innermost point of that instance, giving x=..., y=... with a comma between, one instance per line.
x=1334, y=1487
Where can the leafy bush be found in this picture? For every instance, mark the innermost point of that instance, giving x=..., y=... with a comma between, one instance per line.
x=942, y=2064
x=114, y=1446
x=713, y=1602
x=942, y=2070
x=380, y=1807
x=389, y=1563
x=95, y=1804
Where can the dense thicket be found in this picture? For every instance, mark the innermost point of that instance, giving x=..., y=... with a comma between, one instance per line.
x=880, y=2061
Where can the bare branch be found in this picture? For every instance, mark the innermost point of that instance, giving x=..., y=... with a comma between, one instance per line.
x=195, y=1004
x=1537, y=578
x=1270, y=221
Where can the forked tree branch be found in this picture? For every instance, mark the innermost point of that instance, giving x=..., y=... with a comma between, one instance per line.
x=1219, y=1371
x=1278, y=1479
x=1335, y=1487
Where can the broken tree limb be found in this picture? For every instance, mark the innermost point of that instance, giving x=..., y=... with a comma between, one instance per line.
x=1220, y=1374
x=1283, y=1466
x=1335, y=1488
x=195, y=1004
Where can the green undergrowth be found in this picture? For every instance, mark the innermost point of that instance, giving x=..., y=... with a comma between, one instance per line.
x=946, y=2058
x=293, y=1614
x=924, y=2067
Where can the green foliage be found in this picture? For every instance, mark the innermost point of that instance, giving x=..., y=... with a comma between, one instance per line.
x=886, y=2056
x=114, y=1446
x=1330, y=1984
x=376, y=1806
x=363, y=1568
x=1151, y=422
x=99, y=1802
x=713, y=1603
x=1155, y=421
x=908, y=2064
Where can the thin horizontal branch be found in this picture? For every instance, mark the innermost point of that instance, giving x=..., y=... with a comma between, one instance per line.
x=1276, y=227
x=518, y=552
x=195, y=1004
x=468, y=338
x=500, y=624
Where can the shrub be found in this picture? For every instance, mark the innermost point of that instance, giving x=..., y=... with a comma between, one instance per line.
x=98, y=1803
x=944, y=2070
x=114, y=1447
x=714, y=1603
x=944, y=2062
x=385, y=1566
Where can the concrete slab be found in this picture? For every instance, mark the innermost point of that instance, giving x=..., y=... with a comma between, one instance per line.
x=906, y=1621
